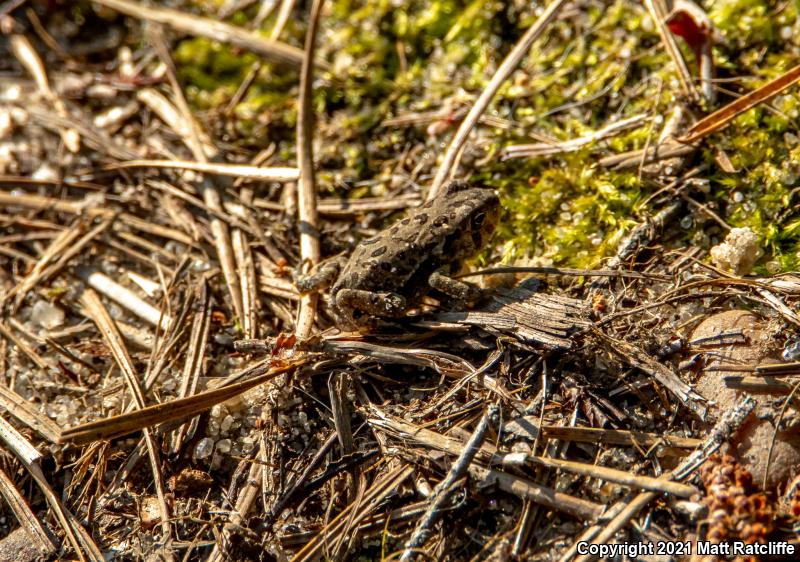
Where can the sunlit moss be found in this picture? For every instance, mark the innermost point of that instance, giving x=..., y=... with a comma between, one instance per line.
x=597, y=64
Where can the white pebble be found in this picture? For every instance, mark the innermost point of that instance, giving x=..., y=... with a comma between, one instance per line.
x=226, y=424
x=46, y=315
x=204, y=448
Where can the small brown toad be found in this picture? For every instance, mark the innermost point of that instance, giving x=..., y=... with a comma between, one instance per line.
x=390, y=272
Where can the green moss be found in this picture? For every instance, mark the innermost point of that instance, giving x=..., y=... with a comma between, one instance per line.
x=603, y=63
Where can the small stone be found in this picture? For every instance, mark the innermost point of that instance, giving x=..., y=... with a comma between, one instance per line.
x=226, y=424
x=752, y=442
x=46, y=173
x=46, y=315
x=248, y=444
x=224, y=446
x=149, y=512
x=738, y=253
x=204, y=448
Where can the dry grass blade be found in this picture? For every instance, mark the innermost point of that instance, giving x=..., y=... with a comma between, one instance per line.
x=91, y=208
x=244, y=502
x=29, y=58
x=338, y=385
x=29, y=457
x=245, y=265
x=723, y=116
x=211, y=29
x=69, y=253
x=24, y=411
x=90, y=135
x=99, y=315
x=571, y=145
x=255, y=173
x=639, y=359
x=193, y=365
x=181, y=120
x=123, y=424
x=659, y=12
x=383, y=485
x=60, y=243
x=40, y=202
x=503, y=72
x=22, y=512
x=23, y=347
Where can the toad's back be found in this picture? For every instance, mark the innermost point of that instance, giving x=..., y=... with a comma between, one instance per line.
x=441, y=232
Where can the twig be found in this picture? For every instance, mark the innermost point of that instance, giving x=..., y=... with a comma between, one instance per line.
x=123, y=296
x=640, y=237
x=422, y=531
x=725, y=427
x=27, y=519
x=625, y=478
x=210, y=29
x=30, y=458
x=636, y=357
x=523, y=487
x=308, y=218
x=571, y=145
x=24, y=411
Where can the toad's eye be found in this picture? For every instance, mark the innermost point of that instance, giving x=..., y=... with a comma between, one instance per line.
x=478, y=219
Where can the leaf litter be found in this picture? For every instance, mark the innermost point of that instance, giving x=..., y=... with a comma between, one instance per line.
x=168, y=394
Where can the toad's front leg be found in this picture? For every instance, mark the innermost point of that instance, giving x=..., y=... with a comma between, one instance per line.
x=346, y=302
x=321, y=278
x=454, y=288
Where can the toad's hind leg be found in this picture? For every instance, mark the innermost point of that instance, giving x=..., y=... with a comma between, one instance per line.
x=369, y=302
x=454, y=288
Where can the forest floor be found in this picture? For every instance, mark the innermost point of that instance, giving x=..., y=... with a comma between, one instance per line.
x=627, y=376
